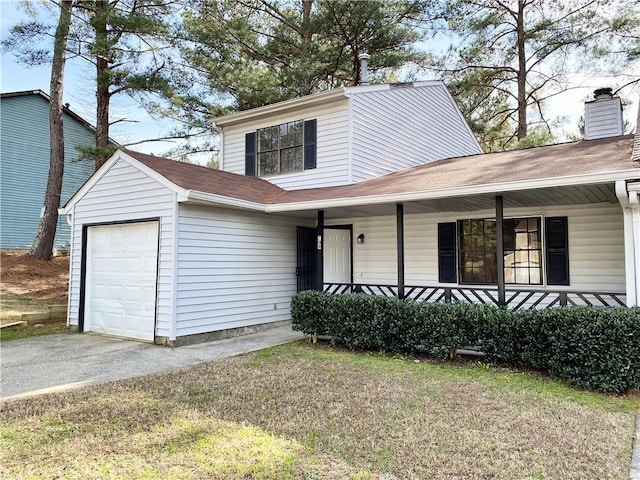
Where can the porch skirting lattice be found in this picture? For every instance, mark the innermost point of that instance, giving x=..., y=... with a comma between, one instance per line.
x=514, y=298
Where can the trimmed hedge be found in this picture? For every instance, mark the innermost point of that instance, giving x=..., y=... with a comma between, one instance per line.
x=590, y=347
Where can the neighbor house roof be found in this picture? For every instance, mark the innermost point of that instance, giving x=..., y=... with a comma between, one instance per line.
x=65, y=108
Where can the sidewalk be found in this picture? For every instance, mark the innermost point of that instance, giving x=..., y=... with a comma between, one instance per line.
x=64, y=361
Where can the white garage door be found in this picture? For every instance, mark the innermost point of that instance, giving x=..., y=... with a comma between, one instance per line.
x=120, y=286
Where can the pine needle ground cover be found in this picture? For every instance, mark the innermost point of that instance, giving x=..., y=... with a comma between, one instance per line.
x=317, y=412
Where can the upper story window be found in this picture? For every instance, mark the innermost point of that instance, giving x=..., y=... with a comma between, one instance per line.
x=285, y=148
x=280, y=149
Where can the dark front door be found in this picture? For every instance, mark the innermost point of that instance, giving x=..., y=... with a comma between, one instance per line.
x=306, y=267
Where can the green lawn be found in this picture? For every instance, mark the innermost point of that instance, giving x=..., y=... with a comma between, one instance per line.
x=315, y=412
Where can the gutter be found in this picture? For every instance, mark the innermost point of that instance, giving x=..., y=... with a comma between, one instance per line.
x=280, y=107
x=490, y=188
x=202, y=197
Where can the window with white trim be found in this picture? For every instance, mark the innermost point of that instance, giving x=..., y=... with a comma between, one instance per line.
x=522, y=251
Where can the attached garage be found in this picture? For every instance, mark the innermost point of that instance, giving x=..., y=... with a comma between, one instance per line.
x=121, y=279
x=171, y=253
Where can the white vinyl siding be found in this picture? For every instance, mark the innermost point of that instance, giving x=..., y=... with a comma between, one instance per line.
x=124, y=193
x=596, y=246
x=332, y=147
x=406, y=126
x=236, y=269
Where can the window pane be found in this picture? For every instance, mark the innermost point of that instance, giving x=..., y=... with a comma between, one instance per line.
x=466, y=274
x=536, y=275
x=295, y=132
x=522, y=275
x=291, y=159
x=491, y=275
x=490, y=256
x=522, y=240
x=534, y=258
x=520, y=225
x=509, y=274
x=466, y=259
x=267, y=139
x=489, y=227
x=477, y=275
x=268, y=163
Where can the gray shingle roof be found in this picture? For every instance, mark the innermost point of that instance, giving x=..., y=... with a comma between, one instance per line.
x=584, y=157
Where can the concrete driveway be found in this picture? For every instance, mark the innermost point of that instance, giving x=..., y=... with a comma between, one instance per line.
x=59, y=362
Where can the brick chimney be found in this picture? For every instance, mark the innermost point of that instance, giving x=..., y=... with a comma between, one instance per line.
x=603, y=116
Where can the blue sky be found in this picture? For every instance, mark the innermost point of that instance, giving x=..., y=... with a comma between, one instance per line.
x=80, y=95
x=79, y=91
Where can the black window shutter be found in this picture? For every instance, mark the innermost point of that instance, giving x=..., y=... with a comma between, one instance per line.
x=250, y=154
x=310, y=144
x=447, y=272
x=557, y=239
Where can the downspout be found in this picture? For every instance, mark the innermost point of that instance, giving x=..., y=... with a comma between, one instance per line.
x=630, y=266
x=220, y=149
x=175, y=214
x=70, y=219
x=634, y=202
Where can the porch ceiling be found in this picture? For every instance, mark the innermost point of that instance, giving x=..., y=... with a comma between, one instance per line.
x=574, y=195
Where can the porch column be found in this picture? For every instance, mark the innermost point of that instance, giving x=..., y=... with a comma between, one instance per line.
x=400, y=247
x=500, y=249
x=320, y=251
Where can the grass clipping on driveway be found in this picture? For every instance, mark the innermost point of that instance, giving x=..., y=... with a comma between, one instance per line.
x=314, y=412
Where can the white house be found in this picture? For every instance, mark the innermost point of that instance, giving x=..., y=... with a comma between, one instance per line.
x=381, y=189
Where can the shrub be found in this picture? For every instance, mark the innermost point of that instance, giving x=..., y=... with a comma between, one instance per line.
x=597, y=348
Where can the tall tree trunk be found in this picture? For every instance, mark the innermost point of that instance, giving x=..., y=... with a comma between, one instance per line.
x=307, y=37
x=522, y=74
x=102, y=89
x=43, y=243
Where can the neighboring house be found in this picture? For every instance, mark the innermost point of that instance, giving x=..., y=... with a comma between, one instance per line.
x=24, y=165
x=170, y=252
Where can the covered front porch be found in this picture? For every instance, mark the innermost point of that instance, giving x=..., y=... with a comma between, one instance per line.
x=528, y=248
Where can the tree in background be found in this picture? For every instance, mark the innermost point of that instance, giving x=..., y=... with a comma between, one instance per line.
x=127, y=41
x=45, y=236
x=260, y=51
x=510, y=57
